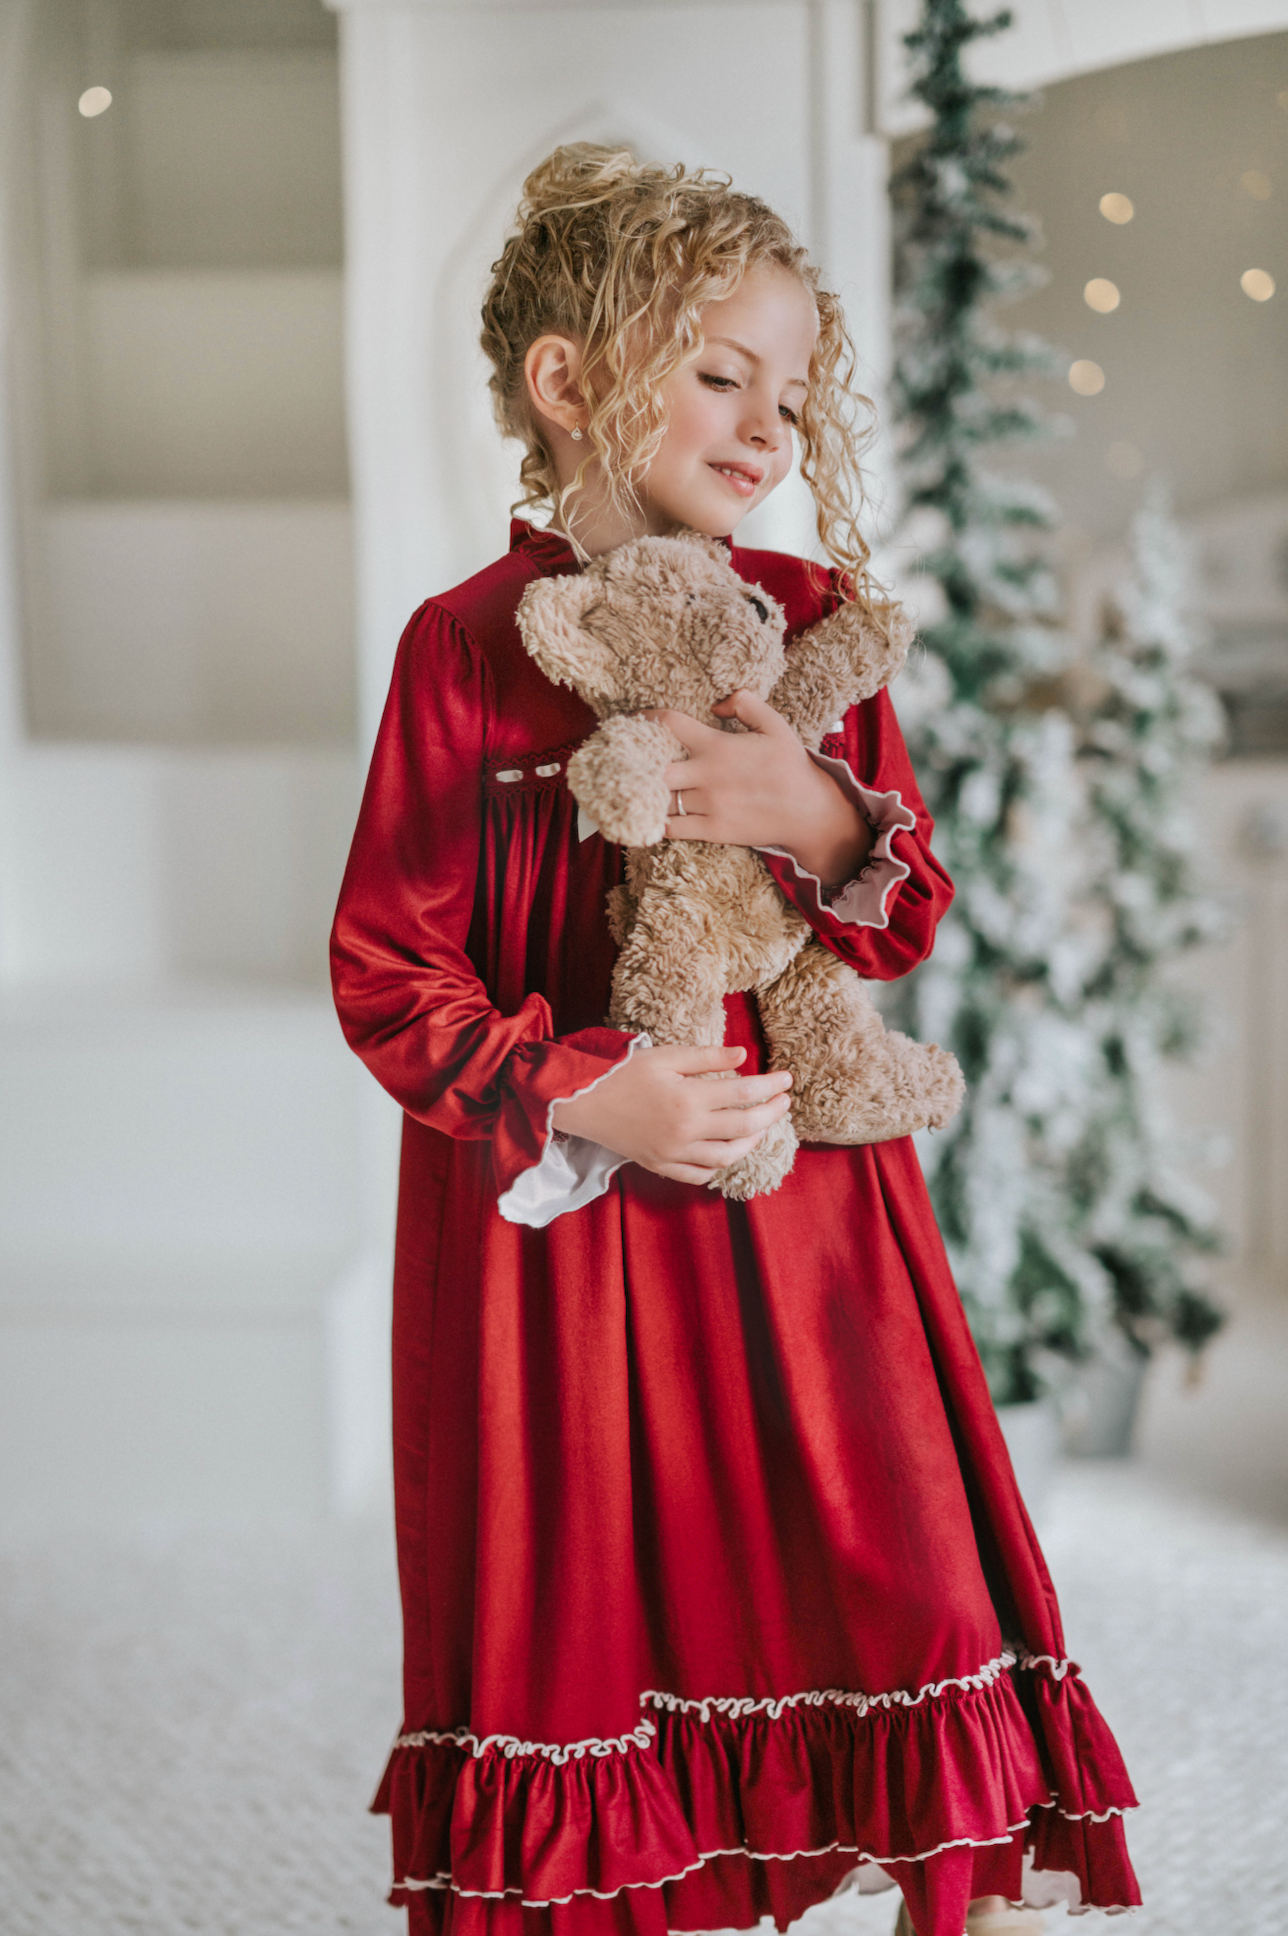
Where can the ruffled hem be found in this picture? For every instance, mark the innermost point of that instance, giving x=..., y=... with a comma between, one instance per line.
x=710, y=1816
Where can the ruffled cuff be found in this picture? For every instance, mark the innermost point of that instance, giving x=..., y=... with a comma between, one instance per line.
x=864, y=901
x=540, y=1176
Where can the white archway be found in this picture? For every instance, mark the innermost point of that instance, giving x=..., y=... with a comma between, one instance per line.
x=1052, y=40
x=485, y=468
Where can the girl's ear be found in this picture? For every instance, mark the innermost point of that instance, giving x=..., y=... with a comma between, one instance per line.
x=550, y=623
x=552, y=372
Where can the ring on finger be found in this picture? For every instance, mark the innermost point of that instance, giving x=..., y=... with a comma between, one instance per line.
x=679, y=805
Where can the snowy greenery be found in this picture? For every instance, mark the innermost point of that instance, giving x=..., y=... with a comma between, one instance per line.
x=1148, y=727
x=1062, y=828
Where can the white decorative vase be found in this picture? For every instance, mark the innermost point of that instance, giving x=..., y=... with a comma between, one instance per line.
x=1101, y=1408
x=1032, y=1434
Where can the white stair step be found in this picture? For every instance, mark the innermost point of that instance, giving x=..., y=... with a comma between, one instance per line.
x=141, y=863
x=205, y=384
x=234, y=157
x=144, y=1387
x=176, y=1120
x=215, y=622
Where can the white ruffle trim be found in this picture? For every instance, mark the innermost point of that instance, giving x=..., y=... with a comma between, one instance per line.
x=709, y=1855
x=737, y=1706
x=733, y=1705
x=510, y=1745
x=864, y=901
x=1055, y=1886
x=1043, y=1888
x=572, y=1172
x=1059, y=1668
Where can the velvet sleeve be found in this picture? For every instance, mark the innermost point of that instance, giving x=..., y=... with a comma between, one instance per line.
x=410, y=1001
x=883, y=923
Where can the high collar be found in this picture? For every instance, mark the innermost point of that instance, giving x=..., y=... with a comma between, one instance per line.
x=549, y=551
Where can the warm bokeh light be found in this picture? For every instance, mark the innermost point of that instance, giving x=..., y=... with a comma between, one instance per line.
x=1282, y=98
x=1101, y=294
x=1257, y=284
x=1256, y=184
x=1117, y=208
x=95, y=100
x=1124, y=460
x=1088, y=379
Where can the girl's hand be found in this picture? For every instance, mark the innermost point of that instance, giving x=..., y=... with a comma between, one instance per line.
x=762, y=789
x=656, y=1110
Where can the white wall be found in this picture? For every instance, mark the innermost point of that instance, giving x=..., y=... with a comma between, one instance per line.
x=445, y=110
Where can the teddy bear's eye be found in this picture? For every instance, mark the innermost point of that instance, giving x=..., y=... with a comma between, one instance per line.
x=762, y=609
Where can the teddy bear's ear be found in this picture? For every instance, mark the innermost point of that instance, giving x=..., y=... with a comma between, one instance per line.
x=550, y=623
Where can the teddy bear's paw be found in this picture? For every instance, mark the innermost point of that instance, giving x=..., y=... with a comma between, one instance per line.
x=945, y=1086
x=617, y=777
x=763, y=1168
x=878, y=1090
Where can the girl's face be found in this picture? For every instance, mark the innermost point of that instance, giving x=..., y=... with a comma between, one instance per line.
x=728, y=439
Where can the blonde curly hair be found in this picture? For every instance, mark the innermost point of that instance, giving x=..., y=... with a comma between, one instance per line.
x=620, y=256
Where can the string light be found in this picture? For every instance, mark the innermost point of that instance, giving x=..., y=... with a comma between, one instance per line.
x=1087, y=378
x=1101, y=294
x=1117, y=208
x=95, y=100
x=1257, y=284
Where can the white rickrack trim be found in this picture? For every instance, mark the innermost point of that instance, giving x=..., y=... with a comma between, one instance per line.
x=444, y=1881
x=738, y=1706
x=1059, y=1668
x=510, y=1745
x=441, y=1881
x=735, y=1706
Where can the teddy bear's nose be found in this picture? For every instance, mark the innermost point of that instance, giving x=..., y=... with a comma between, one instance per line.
x=762, y=609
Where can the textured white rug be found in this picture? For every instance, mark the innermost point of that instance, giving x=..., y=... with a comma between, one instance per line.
x=190, y=1727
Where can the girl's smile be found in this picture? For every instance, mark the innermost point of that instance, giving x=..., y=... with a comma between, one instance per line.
x=730, y=411
x=743, y=477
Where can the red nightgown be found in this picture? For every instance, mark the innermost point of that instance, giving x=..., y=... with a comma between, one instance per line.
x=716, y=1583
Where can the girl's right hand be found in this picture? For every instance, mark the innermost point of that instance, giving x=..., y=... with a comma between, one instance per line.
x=656, y=1110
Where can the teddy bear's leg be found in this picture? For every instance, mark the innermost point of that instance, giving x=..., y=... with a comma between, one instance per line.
x=670, y=980
x=854, y=1080
x=621, y=913
x=763, y=1168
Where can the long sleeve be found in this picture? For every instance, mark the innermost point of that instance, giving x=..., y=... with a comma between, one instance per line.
x=409, y=998
x=884, y=923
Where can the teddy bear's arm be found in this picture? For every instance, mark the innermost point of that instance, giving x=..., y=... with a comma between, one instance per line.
x=838, y=662
x=617, y=777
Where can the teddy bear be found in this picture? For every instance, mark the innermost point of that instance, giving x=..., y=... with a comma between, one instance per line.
x=667, y=622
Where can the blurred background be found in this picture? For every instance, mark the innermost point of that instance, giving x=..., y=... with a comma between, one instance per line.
x=243, y=433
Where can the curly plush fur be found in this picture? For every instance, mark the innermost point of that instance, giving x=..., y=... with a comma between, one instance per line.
x=667, y=622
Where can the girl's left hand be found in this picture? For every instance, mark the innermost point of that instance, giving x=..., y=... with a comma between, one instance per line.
x=761, y=789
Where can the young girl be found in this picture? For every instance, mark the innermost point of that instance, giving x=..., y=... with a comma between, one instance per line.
x=717, y=1589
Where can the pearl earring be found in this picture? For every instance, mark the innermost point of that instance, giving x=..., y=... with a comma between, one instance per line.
x=576, y=433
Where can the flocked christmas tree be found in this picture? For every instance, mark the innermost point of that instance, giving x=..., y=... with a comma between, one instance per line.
x=1148, y=728
x=1027, y=1182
